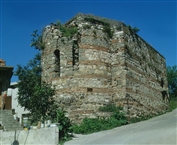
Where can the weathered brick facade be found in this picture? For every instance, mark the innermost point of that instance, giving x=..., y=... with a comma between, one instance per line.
x=103, y=62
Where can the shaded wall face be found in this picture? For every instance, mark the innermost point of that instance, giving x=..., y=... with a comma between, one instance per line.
x=146, y=77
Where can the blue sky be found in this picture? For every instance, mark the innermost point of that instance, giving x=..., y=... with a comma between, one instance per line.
x=19, y=18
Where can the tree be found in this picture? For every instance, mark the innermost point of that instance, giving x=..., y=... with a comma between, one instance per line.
x=34, y=95
x=172, y=81
x=36, y=41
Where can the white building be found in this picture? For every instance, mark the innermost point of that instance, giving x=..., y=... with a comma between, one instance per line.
x=21, y=113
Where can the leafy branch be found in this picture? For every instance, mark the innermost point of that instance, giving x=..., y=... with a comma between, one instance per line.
x=37, y=41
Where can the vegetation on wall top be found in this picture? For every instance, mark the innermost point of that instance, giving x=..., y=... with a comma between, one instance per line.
x=133, y=29
x=106, y=25
x=66, y=31
x=95, y=21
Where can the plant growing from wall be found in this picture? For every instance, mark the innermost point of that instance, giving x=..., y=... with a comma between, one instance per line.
x=133, y=29
x=86, y=26
x=66, y=31
x=108, y=30
x=109, y=108
x=106, y=25
x=96, y=21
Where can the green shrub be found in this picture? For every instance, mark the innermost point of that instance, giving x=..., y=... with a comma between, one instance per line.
x=90, y=125
x=133, y=29
x=66, y=31
x=108, y=30
x=90, y=19
x=65, y=127
x=110, y=108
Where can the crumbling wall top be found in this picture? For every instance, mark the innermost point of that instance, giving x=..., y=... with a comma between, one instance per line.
x=81, y=15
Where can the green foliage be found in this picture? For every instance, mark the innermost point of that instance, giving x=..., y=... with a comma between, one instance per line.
x=86, y=26
x=67, y=32
x=33, y=94
x=106, y=25
x=65, y=126
x=90, y=125
x=173, y=103
x=108, y=30
x=37, y=41
x=133, y=29
x=110, y=108
x=172, y=81
x=96, y=21
x=90, y=19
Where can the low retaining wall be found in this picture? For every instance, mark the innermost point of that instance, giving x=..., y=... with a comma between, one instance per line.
x=48, y=136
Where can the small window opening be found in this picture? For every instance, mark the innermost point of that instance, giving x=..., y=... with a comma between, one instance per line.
x=57, y=61
x=89, y=89
x=164, y=95
x=162, y=82
x=75, y=52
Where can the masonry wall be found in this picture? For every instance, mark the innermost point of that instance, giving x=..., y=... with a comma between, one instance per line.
x=146, y=81
x=92, y=69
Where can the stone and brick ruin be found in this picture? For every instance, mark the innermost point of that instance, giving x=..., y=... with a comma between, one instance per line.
x=103, y=62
